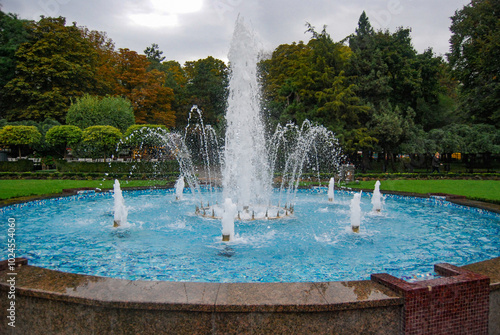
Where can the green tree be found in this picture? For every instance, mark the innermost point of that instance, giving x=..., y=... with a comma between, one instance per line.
x=108, y=111
x=207, y=87
x=56, y=65
x=101, y=140
x=176, y=79
x=154, y=54
x=308, y=81
x=19, y=136
x=146, y=139
x=63, y=137
x=13, y=33
x=474, y=56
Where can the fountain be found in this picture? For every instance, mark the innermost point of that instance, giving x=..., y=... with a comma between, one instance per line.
x=230, y=211
x=331, y=190
x=286, y=236
x=377, y=198
x=247, y=162
x=179, y=188
x=356, y=212
x=120, y=211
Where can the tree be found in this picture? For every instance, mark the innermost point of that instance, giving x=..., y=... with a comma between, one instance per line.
x=101, y=140
x=92, y=110
x=13, y=33
x=105, y=82
x=53, y=67
x=19, y=135
x=147, y=139
x=207, y=87
x=63, y=137
x=475, y=51
x=176, y=79
x=154, y=54
x=108, y=111
x=308, y=81
x=150, y=98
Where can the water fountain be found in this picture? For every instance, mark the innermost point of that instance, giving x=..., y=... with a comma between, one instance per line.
x=275, y=270
x=247, y=162
x=120, y=211
x=331, y=190
x=230, y=211
x=179, y=188
x=356, y=212
x=377, y=197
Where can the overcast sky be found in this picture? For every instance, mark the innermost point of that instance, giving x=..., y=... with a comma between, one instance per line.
x=195, y=29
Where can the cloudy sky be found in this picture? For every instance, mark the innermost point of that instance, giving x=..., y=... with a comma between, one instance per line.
x=194, y=29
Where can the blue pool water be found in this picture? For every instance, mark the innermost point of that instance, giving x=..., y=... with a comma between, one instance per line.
x=167, y=241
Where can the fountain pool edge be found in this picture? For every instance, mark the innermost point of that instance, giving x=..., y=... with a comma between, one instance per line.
x=50, y=301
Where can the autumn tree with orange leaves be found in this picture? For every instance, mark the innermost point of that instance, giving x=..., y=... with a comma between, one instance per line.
x=150, y=98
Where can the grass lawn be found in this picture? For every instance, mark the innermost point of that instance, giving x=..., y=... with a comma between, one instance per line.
x=27, y=187
x=488, y=190
x=472, y=189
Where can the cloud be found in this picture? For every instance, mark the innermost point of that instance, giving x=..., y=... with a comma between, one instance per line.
x=195, y=29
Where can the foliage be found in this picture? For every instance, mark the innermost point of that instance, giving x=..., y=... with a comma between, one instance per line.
x=154, y=54
x=109, y=111
x=309, y=82
x=63, y=137
x=21, y=165
x=100, y=140
x=129, y=168
x=19, y=135
x=12, y=34
x=147, y=137
x=176, y=79
x=150, y=98
x=54, y=66
x=106, y=59
x=207, y=87
x=475, y=51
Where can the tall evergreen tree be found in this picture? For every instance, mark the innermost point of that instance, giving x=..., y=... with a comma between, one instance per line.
x=474, y=56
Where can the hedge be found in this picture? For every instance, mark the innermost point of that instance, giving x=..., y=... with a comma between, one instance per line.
x=163, y=167
x=87, y=175
x=22, y=165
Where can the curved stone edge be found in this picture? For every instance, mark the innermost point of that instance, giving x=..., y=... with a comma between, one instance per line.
x=192, y=296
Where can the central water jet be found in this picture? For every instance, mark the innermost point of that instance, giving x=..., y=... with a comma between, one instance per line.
x=246, y=177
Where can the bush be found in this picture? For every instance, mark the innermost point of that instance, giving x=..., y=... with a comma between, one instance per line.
x=20, y=135
x=162, y=168
x=22, y=165
x=62, y=137
x=109, y=111
x=100, y=140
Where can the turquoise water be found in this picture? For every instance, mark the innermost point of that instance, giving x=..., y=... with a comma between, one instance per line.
x=165, y=240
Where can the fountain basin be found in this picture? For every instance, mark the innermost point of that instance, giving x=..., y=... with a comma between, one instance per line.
x=165, y=240
x=54, y=301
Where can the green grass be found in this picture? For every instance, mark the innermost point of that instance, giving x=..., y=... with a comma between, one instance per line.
x=29, y=187
x=488, y=190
